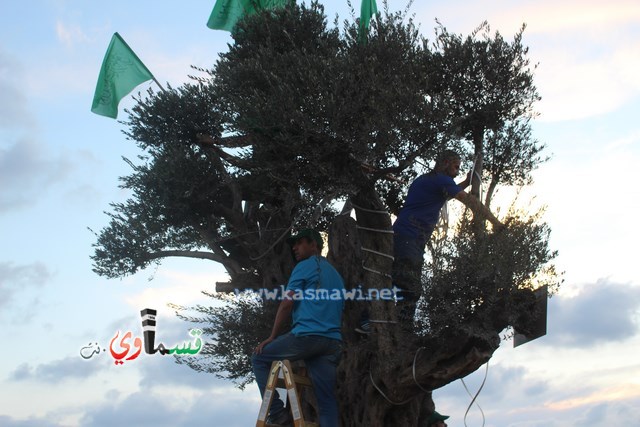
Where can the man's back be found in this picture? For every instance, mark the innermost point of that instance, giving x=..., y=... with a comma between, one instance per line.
x=318, y=298
x=426, y=196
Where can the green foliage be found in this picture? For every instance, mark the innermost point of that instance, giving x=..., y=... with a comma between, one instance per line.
x=235, y=325
x=484, y=82
x=320, y=117
x=339, y=104
x=168, y=210
x=487, y=281
x=297, y=115
x=174, y=117
x=511, y=155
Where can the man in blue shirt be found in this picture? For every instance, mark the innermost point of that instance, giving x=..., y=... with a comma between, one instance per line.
x=314, y=300
x=417, y=220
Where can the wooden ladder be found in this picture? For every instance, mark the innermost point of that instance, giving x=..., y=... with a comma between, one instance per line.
x=282, y=375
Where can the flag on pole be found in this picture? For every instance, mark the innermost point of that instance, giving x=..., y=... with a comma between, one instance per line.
x=226, y=13
x=368, y=8
x=121, y=72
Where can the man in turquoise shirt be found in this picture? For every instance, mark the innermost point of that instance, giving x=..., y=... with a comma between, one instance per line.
x=314, y=300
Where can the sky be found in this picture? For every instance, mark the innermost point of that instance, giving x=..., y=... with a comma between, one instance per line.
x=59, y=169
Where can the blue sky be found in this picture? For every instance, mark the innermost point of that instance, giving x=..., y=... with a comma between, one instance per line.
x=59, y=169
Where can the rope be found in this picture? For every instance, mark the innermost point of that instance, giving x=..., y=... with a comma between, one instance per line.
x=318, y=208
x=376, y=230
x=384, y=395
x=346, y=208
x=421, y=163
x=235, y=236
x=368, y=210
x=474, y=172
x=473, y=169
x=274, y=244
x=376, y=272
x=476, y=396
x=414, y=371
x=443, y=221
x=377, y=253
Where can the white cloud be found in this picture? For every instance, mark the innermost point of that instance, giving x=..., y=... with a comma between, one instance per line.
x=26, y=171
x=229, y=410
x=581, y=373
x=14, y=112
x=592, y=217
x=570, y=15
x=601, y=312
x=544, y=17
x=574, y=87
x=625, y=141
x=525, y=400
x=14, y=279
x=84, y=195
x=78, y=73
x=7, y=421
x=57, y=371
x=587, y=72
x=71, y=77
x=70, y=34
x=608, y=394
x=587, y=51
x=170, y=285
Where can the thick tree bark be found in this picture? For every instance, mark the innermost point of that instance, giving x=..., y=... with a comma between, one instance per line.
x=476, y=182
x=369, y=365
x=386, y=378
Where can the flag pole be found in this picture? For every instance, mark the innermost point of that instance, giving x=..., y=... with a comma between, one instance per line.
x=158, y=83
x=152, y=76
x=121, y=72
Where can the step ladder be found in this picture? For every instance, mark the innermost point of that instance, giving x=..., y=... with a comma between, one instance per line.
x=282, y=376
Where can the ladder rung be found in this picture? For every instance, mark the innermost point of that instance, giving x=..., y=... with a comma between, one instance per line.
x=311, y=425
x=306, y=424
x=305, y=381
x=281, y=376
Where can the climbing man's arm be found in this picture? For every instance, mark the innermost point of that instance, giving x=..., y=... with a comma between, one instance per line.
x=467, y=182
x=478, y=208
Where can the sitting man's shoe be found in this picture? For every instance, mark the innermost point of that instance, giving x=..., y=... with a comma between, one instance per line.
x=281, y=419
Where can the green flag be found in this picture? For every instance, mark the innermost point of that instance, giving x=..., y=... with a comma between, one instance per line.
x=368, y=8
x=226, y=13
x=121, y=72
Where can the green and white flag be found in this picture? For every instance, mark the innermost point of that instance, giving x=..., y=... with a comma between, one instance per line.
x=121, y=72
x=226, y=13
x=368, y=8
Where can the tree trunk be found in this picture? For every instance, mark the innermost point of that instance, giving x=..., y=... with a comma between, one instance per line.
x=366, y=359
x=476, y=181
x=492, y=188
x=386, y=378
x=479, y=225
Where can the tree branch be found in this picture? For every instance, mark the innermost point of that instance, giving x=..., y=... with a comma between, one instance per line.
x=185, y=254
x=233, y=214
x=231, y=265
x=227, y=141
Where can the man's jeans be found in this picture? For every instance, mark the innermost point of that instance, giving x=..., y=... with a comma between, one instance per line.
x=321, y=356
x=406, y=272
